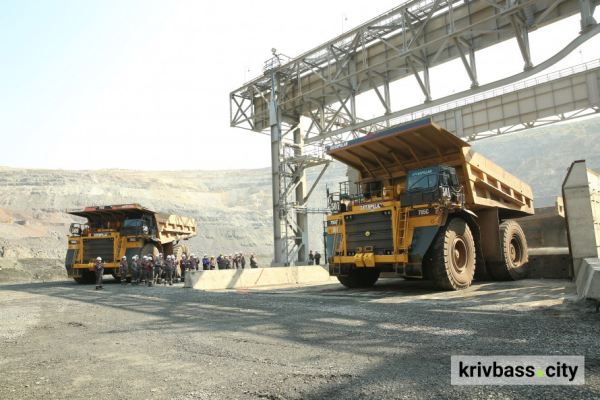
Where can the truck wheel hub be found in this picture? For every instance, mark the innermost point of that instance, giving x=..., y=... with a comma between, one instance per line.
x=459, y=253
x=515, y=252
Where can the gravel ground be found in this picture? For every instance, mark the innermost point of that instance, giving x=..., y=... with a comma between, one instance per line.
x=63, y=340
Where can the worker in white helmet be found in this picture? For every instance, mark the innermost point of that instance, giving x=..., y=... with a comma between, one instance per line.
x=206, y=263
x=242, y=261
x=158, y=268
x=169, y=271
x=135, y=271
x=144, y=270
x=150, y=271
x=123, y=270
x=99, y=269
x=184, y=264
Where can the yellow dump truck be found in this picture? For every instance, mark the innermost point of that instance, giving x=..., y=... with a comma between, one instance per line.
x=112, y=232
x=425, y=206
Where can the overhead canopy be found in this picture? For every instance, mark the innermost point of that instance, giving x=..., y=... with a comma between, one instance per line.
x=397, y=150
x=99, y=213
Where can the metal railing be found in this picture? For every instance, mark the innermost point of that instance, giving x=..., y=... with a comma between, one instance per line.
x=320, y=54
x=497, y=92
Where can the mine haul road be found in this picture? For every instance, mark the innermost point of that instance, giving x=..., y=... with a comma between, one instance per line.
x=68, y=341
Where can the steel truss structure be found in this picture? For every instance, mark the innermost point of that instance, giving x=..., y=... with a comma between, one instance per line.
x=322, y=85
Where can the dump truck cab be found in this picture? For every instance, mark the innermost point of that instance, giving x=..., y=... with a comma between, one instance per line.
x=425, y=206
x=432, y=185
x=114, y=231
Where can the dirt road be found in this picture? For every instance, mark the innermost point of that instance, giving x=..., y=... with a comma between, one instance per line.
x=67, y=341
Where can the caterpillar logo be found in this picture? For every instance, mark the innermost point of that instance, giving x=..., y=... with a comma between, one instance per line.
x=371, y=206
x=337, y=146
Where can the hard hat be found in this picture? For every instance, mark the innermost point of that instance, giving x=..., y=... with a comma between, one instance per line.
x=149, y=257
x=205, y=255
x=212, y=256
x=230, y=255
x=99, y=259
x=160, y=254
x=183, y=256
x=145, y=258
x=124, y=257
x=221, y=253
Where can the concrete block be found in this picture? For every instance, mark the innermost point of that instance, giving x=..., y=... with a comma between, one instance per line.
x=588, y=280
x=255, y=277
x=581, y=192
x=312, y=273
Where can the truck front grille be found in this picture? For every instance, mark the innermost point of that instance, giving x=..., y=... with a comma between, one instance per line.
x=380, y=234
x=93, y=248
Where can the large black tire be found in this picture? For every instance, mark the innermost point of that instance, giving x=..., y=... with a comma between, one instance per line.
x=87, y=278
x=360, y=277
x=514, y=254
x=149, y=249
x=180, y=249
x=450, y=260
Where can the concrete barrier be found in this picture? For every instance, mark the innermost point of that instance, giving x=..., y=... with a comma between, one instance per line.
x=255, y=277
x=581, y=192
x=588, y=279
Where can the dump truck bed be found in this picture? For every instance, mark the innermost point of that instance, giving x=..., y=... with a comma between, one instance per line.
x=396, y=151
x=169, y=227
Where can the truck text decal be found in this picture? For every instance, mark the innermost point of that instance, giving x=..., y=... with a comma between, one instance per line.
x=371, y=206
x=422, y=212
x=337, y=146
x=419, y=173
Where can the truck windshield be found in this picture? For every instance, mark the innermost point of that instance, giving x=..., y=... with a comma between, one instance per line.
x=132, y=222
x=421, y=179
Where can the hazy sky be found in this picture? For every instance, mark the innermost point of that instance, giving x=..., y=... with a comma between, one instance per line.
x=143, y=84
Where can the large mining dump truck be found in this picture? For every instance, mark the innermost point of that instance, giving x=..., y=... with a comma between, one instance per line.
x=112, y=232
x=425, y=207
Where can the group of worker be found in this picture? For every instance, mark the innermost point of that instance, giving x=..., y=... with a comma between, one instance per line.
x=150, y=269
x=314, y=258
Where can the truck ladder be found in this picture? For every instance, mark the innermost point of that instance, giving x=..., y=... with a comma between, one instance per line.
x=74, y=260
x=402, y=223
x=117, y=258
x=337, y=241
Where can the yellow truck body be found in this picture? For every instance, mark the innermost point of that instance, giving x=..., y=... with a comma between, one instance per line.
x=114, y=231
x=387, y=226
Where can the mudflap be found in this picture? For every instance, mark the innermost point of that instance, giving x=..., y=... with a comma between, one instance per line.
x=481, y=272
x=69, y=261
x=422, y=238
